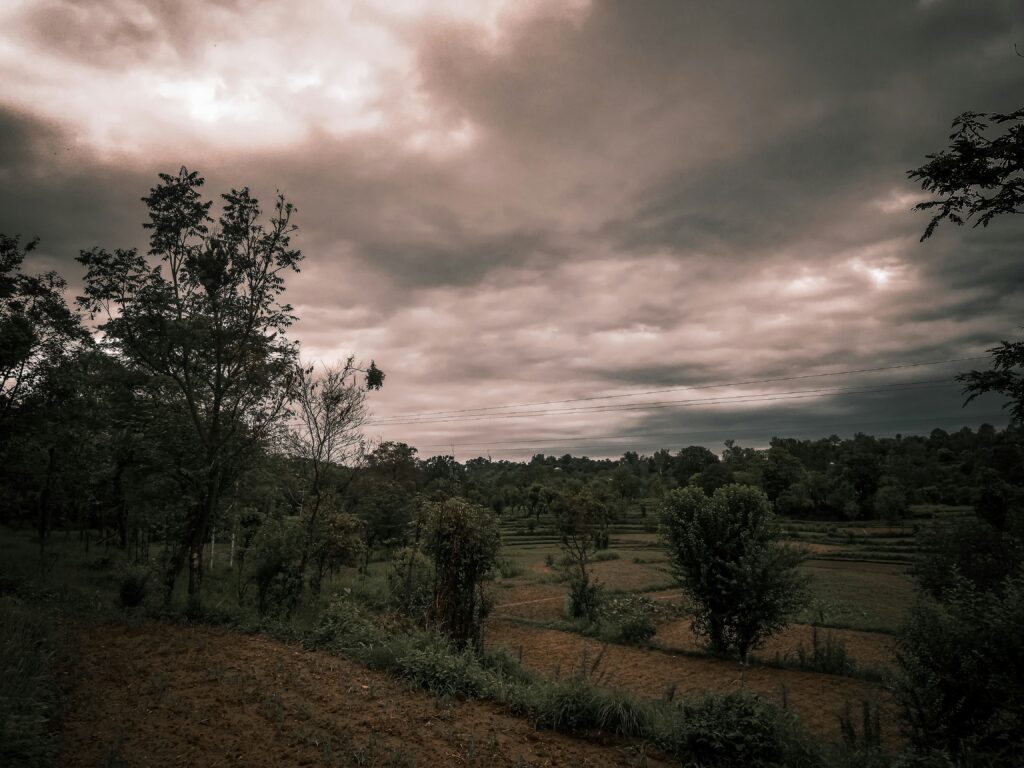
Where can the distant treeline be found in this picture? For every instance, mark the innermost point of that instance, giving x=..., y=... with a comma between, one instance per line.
x=862, y=477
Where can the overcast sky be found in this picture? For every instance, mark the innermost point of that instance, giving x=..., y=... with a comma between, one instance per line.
x=507, y=202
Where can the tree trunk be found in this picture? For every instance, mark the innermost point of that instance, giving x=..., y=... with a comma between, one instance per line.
x=44, y=503
x=122, y=507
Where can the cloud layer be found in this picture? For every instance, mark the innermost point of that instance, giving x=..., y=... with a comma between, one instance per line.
x=508, y=203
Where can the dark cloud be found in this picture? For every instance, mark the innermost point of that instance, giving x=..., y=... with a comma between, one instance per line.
x=541, y=201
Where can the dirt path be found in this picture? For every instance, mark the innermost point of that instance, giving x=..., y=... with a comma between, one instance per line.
x=817, y=699
x=160, y=695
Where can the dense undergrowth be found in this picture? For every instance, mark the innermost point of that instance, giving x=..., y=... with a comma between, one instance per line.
x=29, y=692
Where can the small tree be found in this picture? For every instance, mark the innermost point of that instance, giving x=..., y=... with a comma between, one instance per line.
x=582, y=522
x=726, y=553
x=463, y=540
x=331, y=409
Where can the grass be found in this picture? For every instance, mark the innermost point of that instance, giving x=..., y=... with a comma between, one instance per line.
x=854, y=595
x=29, y=695
x=728, y=730
x=735, y=729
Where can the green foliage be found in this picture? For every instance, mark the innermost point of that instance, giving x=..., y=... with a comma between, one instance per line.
x=726, y=553
x=1006, y=376
x=28, y=686
x=978, y=175
x=582, y=523
x=508, y=569
x=826, y=654
x=890, y=501
x=969, y=549
x=630, y=619
x=410, y=583
x=960, y=685
x=738, y=730
x=273, y=565
x=204, y=332
x=575, y=704
x=585, y=598
x=463, y=540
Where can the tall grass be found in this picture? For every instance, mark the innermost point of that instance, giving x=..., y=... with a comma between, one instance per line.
x=28, y=685
x=735, y=729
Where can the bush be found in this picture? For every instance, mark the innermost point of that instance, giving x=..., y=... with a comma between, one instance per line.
x=575, y=704
x=509, y=569
x=444, y=671
x=133, y=586
x=273, y=564
x=827, y=654
x=585, y=598
x=630, y=619
x=727, y=554
x=970, y=549
x=410, y=583
x=737, y=730
x=960, y=682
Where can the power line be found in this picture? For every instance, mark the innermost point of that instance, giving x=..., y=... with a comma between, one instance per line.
x=849, y=372
x=722, y=400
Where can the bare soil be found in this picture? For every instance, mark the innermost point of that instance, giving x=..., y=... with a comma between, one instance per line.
x=546, y=602
x=817, y=699
x=870, y=649
x=159, y=695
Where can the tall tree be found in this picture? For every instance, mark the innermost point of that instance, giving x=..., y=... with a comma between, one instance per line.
x=204, y=319
x=37, y=328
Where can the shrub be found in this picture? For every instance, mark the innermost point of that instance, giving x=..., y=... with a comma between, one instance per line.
x=575, y=704
x=737, y=730
x=630, y=619
x=585, y=598
x=960, y=682
x=273, y=564
x=410, y=583
x=133, y=586
x=827, y=654
x=970, y=549
x=509, y=569
x=727, y=554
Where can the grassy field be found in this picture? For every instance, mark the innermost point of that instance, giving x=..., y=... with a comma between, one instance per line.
x=860, y=581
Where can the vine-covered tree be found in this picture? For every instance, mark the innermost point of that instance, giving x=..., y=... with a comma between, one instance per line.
x=463, y=540
x=204, y=320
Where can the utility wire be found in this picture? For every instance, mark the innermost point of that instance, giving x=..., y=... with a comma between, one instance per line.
x=722, y=400
x=730, y=430
x=849, y=372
